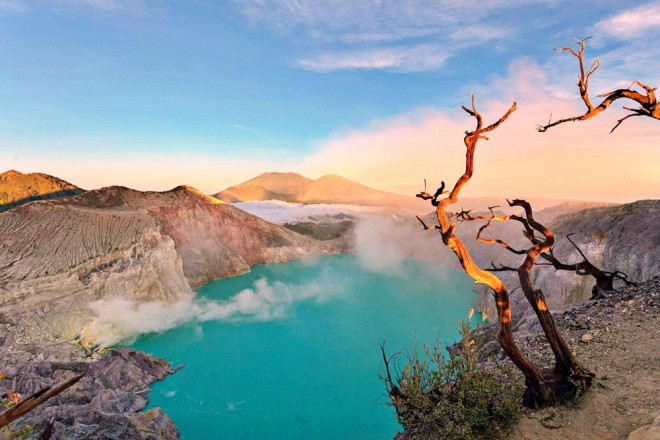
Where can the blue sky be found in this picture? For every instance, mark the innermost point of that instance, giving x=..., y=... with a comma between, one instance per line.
x=152, y=94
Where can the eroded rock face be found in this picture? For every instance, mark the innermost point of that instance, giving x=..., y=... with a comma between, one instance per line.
x=105, y=403
x=57, y=256
x=216, y=240
x=624, y=238
x=63, y=257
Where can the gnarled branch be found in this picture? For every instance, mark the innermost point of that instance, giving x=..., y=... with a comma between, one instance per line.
x=648, y=105
x=604, y=279
x=504, y=333
x=498, y=241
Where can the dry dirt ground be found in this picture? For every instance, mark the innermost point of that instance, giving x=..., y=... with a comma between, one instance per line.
x=622, y=347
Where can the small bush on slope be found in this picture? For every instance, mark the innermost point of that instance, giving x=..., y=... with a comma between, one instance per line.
x=452, y=396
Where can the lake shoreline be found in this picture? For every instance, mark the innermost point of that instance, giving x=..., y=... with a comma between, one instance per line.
x=291, y=367
x=28, y=347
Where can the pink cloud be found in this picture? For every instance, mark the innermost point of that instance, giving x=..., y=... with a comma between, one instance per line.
x=577, y=160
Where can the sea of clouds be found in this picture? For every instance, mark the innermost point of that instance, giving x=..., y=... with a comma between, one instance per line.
x=279, y=212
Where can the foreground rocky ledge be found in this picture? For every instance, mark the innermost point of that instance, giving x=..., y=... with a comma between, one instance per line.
x=105, y=404
x=616, y=337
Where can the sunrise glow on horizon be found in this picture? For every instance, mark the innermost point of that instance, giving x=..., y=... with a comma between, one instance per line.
x=151, y=95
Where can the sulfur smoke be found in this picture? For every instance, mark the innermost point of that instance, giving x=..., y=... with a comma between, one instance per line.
x=120, y=320
x=382, y=242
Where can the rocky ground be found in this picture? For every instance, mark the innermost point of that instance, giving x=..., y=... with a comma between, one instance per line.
x=617, y=338
x=107, y=403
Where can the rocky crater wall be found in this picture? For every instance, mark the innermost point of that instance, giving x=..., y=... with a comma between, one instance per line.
x=57, y=256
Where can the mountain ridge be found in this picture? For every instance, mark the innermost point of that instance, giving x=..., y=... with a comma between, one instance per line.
x=335, y=189
x=17, y=188
x=115, y=242
x=327, y=189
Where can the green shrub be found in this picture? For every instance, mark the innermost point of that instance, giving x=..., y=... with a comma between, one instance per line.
x=12, y=434
x=451, y=396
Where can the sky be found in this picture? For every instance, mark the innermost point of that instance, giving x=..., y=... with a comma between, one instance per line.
x=151, y=94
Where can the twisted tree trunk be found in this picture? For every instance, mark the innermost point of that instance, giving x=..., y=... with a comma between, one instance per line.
x=567, y=377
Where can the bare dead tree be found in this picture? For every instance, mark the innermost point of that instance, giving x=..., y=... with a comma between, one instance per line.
x=648, y=105
x=567, y=377
x=604, y=279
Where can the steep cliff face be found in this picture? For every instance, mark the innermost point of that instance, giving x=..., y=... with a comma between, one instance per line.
x=624, y=237
x=62, y=254
x=17, y=188
x=217, y=240
x=59, y=258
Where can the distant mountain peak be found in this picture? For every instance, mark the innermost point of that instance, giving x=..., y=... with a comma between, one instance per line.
x=194, y=191
x=330, y=188
x=17, y=188
x=334, y=177
x=279, y=173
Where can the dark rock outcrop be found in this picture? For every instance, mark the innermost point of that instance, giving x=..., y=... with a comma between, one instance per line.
x=105, y=404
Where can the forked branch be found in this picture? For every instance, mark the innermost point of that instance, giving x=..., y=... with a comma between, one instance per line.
x=648, y=105
x=504, y=334
x=604, y=279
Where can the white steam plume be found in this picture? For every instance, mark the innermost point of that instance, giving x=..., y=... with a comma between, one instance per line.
x=121, y=320
x=383, y=243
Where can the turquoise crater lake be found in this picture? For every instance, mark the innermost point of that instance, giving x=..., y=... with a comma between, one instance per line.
x=306, y=366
